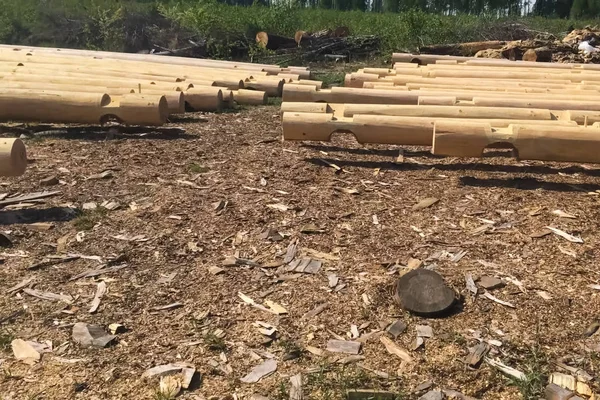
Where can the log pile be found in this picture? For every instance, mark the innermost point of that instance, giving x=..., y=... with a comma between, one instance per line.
x=91, y=87
x=459, y=106
x=317, y=46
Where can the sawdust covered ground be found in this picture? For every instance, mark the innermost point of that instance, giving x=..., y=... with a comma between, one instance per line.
x=167, y=187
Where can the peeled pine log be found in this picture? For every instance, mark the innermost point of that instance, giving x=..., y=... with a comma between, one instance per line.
x=250, y=97
x=273, y=87
x=408, y=131
x=347, y=95
x=99, y=82
x=462, y=49
x=31, y=106
x=140, y=57
x=349, y=110
x=549, y=104
x=13, y=157
x=489, y=80
x=140, y=109
x=307, y=107
x=532, y=142
x=205, y=98
x=309, y=82
x=84, y=108
x=175, y=99
x=424, y=59
x=437, y=101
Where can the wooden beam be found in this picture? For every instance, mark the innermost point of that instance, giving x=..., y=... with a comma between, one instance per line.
x=532, y=142
x=409, y=131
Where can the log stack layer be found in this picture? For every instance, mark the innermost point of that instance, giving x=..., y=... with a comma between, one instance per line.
x=93, y=87
x=459, y=106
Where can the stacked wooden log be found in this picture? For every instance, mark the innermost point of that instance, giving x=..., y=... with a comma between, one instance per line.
x=459, y=106
x=91, y=87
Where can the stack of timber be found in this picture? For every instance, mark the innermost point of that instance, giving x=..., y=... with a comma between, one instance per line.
x=459, y=106
x=92, y=87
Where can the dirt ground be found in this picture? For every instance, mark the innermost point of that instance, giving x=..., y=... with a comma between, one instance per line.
x=189, y=201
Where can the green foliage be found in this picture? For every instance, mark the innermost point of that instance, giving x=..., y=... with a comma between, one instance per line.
x=133, y=25
x=536, y=371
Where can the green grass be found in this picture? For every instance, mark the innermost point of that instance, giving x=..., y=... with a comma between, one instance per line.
x=197, y=168
x=333, y=381
x=5, y=341
x=535, y=368
x=132, y=25
x=89, y=218
x=214, y=343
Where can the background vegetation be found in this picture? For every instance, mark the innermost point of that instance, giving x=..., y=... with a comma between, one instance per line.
x=134, y=25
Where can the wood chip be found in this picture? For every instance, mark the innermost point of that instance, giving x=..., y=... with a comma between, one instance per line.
x=476, y=355
x=505, y=369
x=333, y=280
x=540, y=234
x=424, y=331
x=24, y=351
x=471, y=287
x=278, y=207
x=103, y=175
x=343, y=346
x=215, y=270
x=167, y=307
x=49, y=296
x=396, y=350
x=162, y=370
x=314, y=350
x=544, y=295
x=563, y=214
x=91, y=335
x=316, y=311
x=19, y=286
x=260, y=371
x=490, y=282
x=27, y=197
x=425, y=203
x=320, y=255
x=565, y=235
x=497, y=300
x=296, y=387
x=100, y=292
x=397, y=328
x=276, y=308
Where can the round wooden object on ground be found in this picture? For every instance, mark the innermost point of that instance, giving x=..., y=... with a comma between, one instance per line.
x=424, y=292
x=13, y=157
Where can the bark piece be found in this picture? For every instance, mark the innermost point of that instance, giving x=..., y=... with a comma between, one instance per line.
x=91, y=335
x=424, y=331
x=316, y=311
x=162, y=370
x=424, y=292
x=343, y=346
x=100, y=292
x=555, y=392
x=490, y=283
x=260, y=371
x=396, y=350
x=296, y=389
x=396, y=328
x=433, y=395
x=476, y=355
x=425, y=203
x=49, y=296
x=49, y=181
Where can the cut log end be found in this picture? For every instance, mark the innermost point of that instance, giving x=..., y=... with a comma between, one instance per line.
x=13, y=157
